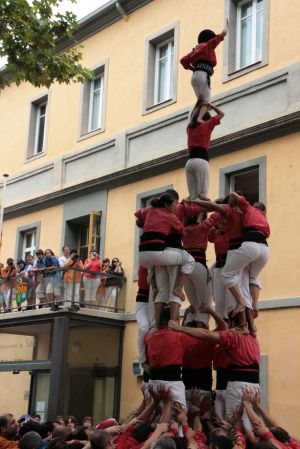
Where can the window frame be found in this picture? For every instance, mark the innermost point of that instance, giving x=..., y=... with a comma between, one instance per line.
x=31, y=248
x=35, y=106
x=86, y=104
x=152, y=43
x=230, y=70
x=168, y=82
x=253, y=58
x=21, y=232
x=91, y=103
x=225, y=181
x=37, y=128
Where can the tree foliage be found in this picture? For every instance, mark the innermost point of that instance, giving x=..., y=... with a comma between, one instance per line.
x=29, y=32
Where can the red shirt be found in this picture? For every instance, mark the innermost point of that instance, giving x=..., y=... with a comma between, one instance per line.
x=93, y=267
x=166, y=347
x=220, y=359
x=220, y=242
x=234, y=222
x=202, y=52
x=199, y=356
x=200, y=439
x=159, y=219
x=196, y=237
x=239, y=349
x=199, y=137
x=254, y=218
x=183, y=211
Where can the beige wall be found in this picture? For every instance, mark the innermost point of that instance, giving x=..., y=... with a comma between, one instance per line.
x=124, y=44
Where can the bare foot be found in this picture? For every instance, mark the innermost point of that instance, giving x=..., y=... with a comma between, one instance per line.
x=179, y=293
x=252, y=330
x=242, y=330
x=205, y=308
x=239, y=308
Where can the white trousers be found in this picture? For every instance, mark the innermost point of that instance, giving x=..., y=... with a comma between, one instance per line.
x=197, y=287
x=90, y=288
x=176, y=387
x=170, y=256
x=233, y=399
x=252, y=255
x=144, y=314
x=200, y=86
x=71, y=287
x=166, y=277
x=197, y=177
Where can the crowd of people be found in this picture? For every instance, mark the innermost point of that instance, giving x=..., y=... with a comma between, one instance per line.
x=50, y=281
x=158, y=423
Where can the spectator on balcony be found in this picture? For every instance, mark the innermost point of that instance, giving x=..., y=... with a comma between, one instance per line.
x=72, y=278
x=91, y=281
x=100, y=297
x=63, y=258
x=39, y=278
x=25, y=275
x=53, y=279
x=113, y=284
x=8, y=274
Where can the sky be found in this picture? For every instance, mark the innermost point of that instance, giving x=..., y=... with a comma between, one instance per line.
x=82, y=7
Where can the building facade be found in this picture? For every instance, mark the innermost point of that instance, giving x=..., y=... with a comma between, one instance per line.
x=83, y=158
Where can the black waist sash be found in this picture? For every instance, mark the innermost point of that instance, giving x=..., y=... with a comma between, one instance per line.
x=206, y=67
x=244, y=373
x=170, y=372
x=252, y=234
x=197, y=378
x=235, y=243
x=173, y=241
x=200, y=153
x=152, y=241
x=198, y=254
x=222, y=378
x=142, y=295
x=221, y=260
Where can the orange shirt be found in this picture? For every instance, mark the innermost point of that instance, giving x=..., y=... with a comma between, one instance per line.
x=7, y=444
x=69, y=275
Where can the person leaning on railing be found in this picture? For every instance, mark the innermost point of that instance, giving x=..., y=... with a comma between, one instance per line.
x=72, y=278
x=113, y=284
x=91, y=281
x=39, y=279
x=7, y=275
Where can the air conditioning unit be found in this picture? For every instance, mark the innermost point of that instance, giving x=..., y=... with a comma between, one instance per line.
x=137, y=368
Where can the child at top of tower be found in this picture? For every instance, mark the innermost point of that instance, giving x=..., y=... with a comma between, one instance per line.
x=201, y=60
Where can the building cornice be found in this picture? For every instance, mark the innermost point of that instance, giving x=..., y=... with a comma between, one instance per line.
x=224, y=145
x=99, y=19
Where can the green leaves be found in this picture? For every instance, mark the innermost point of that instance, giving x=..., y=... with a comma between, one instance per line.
x=28, y=37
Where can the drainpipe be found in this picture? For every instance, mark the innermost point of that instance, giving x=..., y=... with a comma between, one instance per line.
x=121, y=11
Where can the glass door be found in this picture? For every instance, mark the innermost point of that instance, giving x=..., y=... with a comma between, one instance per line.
x=39, y=393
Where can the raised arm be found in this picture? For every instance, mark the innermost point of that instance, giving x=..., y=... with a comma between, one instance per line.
x=269, y=421
x=217, y=110
x=195, y=332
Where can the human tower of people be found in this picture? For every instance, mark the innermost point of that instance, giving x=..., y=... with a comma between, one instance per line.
x=172, y=258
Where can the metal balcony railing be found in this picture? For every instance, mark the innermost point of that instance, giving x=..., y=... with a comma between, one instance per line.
x=69, y=288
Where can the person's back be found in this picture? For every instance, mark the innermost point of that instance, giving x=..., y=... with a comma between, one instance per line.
x=31, y=440
x=100, y=440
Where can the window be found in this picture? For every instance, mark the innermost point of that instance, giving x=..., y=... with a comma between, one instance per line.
x=249, y=32
x=37, y=127
x=93, y=103
x=29, y=247
x=96, y=98
x=246, y=45
x=164, y=73
x=40, y=128
x=161, y=69
x=28, y=240
x=246, y=177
